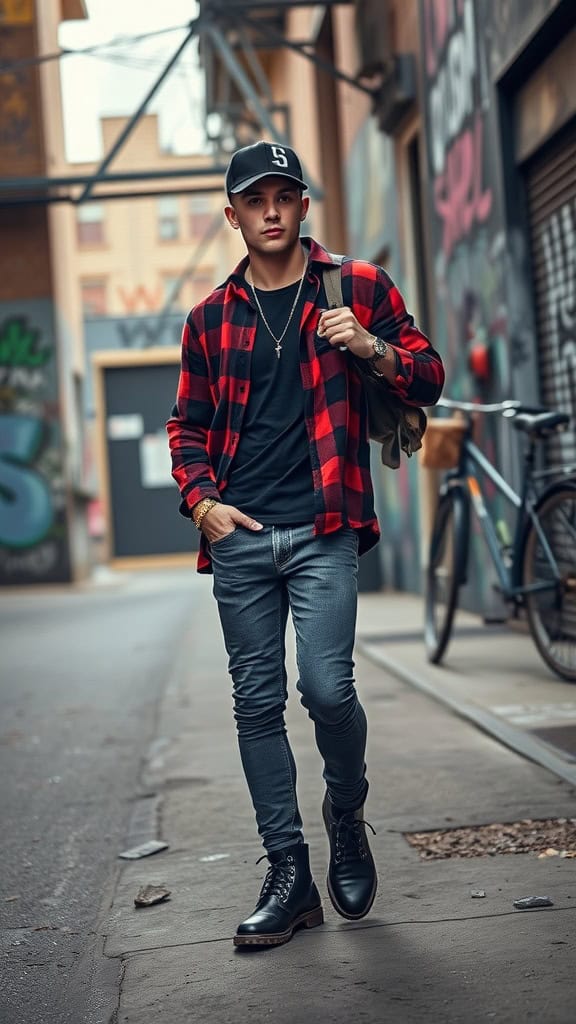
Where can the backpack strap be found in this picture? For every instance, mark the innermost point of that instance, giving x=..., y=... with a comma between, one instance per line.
x=395, y=425
x=332, y=277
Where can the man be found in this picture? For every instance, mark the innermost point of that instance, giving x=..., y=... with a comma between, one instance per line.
x=270, y=450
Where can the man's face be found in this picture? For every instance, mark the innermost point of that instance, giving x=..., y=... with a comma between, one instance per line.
x=269, y=215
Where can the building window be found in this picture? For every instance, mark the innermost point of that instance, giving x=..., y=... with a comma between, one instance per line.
x=94, y=297
x=90, y=224
x=168, y=226
x=200, y=215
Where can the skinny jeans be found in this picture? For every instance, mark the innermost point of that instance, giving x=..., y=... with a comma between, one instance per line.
x=259, y=577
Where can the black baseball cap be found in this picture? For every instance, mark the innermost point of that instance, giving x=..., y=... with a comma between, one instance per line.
x=261, y=160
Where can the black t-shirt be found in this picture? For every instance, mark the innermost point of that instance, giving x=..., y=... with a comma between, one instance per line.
x=271, y=474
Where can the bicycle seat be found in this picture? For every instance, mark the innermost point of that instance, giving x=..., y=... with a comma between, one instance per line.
x=541, y=424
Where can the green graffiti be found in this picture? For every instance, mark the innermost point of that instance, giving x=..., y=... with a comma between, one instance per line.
x=20, y=345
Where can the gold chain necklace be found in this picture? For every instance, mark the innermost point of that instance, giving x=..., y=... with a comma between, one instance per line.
x=261, y=311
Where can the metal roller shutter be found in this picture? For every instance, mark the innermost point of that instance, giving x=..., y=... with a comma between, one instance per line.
x=551, y=185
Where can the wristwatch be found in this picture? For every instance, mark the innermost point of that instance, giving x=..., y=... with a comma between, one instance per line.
x=380, y=349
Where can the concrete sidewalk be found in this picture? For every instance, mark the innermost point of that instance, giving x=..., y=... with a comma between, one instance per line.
x=491, y=675
x=428, y=951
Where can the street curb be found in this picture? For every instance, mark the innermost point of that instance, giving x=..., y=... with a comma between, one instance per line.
x=496, y=727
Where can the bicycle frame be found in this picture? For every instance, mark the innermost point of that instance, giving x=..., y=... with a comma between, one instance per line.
x=509, y=577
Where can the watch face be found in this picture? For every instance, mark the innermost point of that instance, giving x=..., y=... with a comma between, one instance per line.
x=380, y=347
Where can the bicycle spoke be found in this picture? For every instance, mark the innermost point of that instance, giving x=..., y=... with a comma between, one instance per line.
x=550, y=557
x=444, y=573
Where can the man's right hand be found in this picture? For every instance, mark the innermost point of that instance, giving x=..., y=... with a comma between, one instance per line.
x=222, y=519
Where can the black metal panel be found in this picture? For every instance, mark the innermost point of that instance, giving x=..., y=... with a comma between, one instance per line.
x=145, y=519
x=374, y=37
x=551, y=184
x=396, y=95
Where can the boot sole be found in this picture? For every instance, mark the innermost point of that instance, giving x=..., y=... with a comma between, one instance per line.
x=311, y=919
x=344, y=913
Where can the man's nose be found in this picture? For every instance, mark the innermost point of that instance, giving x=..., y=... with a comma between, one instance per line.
x=271, y=212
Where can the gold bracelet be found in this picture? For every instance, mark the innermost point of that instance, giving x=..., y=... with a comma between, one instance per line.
x=200, y=511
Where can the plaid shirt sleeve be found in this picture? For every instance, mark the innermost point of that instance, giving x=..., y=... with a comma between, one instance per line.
x=380, y=308
x=189, y=424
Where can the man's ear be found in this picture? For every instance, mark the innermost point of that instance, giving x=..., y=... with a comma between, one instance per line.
x=305, y=206
x=230, y=214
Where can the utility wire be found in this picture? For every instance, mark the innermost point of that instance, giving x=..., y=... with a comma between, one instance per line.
x=141, y=64
x=44, y=58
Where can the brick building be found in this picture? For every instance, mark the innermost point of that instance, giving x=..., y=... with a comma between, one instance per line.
x=43, y=535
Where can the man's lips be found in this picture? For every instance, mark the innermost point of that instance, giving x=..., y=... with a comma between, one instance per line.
x=272, y=232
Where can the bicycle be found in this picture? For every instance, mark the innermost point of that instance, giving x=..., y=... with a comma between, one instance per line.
x=537, y=569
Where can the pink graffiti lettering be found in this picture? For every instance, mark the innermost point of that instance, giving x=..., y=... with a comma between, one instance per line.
x=459, y=195
x=437, y=26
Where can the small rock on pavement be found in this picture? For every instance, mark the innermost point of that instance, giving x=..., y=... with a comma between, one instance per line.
x=529, y=902
x=478, y=894
x=150, y=894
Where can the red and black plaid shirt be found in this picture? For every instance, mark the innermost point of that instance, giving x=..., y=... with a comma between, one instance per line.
x=214, y=386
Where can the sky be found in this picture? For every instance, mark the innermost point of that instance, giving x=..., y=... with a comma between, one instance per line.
x=115, y=81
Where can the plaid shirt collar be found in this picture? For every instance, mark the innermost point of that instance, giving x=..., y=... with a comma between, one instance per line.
x=316, y=253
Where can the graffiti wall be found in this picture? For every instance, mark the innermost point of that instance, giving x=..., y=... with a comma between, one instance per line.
x=374, y=235
x=480, y=319
x=466, y=222
x=33, y=537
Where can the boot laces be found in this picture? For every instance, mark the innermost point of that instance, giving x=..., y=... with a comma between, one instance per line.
x=279, y=879
x=350, y=838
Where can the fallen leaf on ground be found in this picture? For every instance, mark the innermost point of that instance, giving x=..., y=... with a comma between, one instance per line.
x=526, y=836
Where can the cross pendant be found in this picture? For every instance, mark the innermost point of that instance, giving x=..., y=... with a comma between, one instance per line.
x=278, y=349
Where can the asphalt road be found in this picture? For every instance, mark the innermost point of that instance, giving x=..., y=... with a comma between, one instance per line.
x=81, y=675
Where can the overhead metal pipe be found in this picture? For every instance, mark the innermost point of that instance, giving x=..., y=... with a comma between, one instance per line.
x=325, y=65
x=254, y=62
x=131, y=124
x=46, y=200
x=252, y=98
x=69, y=181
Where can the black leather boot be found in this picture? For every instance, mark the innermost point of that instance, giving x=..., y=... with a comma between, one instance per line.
x=288, y=900
x=352, y=879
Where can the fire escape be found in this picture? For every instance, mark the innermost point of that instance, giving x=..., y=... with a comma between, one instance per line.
x=238, y=43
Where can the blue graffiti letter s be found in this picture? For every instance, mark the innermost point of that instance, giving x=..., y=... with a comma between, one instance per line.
x=26, y=512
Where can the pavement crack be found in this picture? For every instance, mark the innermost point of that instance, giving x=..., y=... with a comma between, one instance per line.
x=335, y=928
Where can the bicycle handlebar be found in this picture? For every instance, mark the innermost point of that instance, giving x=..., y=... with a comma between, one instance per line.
x=507, y=408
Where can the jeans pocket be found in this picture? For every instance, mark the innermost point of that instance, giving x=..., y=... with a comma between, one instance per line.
x=222, y=540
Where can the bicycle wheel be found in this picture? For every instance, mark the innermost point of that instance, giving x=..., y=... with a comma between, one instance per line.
x=552, y=613
x=446, y=570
